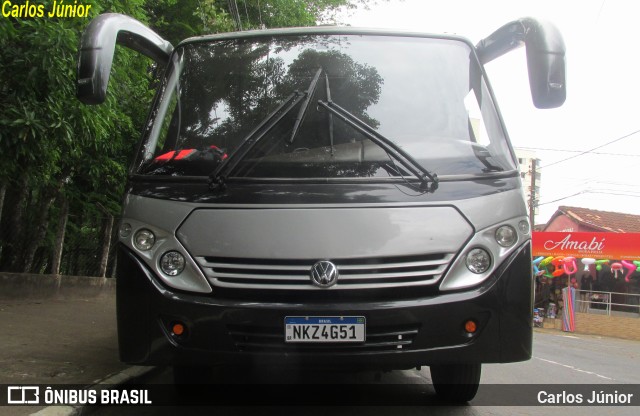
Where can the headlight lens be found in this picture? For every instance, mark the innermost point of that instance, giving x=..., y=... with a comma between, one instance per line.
x=125, y=230
x=506, y=236
x=172, y=263
x=144, y=239
x=524, y=226
x=478, y=260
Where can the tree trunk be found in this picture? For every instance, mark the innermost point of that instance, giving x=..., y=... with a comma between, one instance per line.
x=56, y=259
x=15, y=230
x=3, y=192
x=41, y=224
x=106, y=244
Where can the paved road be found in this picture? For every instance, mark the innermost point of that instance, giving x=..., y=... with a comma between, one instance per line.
x=74, y=341
x=57, y=341
x=561, y=360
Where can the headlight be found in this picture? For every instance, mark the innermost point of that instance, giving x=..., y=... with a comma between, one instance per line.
x=478, y=260
x=506, y=236
x=144, y=239
x=524, y=226
x=172, y=263
x=125, y=230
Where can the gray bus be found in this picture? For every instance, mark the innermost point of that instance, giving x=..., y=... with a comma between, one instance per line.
x=325, y=197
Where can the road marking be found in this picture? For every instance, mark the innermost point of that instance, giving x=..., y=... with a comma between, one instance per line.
x=574, y=368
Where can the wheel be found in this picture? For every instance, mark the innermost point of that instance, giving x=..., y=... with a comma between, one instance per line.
x=456, y=382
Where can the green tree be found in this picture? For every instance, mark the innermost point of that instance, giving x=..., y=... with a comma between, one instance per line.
x=63, y=165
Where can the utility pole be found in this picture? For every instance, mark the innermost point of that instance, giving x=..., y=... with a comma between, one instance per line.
x=532, y=192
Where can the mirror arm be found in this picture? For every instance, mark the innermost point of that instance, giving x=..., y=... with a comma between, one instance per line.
x=97, y=47
x=535, y=34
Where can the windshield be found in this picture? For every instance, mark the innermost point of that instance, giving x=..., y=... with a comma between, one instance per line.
x=273, y=99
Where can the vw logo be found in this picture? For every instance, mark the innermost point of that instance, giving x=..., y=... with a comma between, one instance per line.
x=324, y=274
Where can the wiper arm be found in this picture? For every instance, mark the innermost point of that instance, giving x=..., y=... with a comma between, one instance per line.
x=217, y=179
x=303, y=109
x=428, y=180
x=326, y=77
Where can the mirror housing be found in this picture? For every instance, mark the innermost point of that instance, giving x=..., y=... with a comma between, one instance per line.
x=97, y=47
x=545, y=51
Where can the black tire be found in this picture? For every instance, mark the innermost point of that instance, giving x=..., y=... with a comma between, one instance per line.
x=457, y=383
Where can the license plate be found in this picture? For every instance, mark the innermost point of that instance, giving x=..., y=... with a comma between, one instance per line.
x=324, y=329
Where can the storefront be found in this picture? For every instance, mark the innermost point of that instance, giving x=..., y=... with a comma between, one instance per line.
x=582, y=271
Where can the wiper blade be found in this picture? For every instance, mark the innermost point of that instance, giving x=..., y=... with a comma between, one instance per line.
x=217, y=179
x=305, y=104
x=428, y=180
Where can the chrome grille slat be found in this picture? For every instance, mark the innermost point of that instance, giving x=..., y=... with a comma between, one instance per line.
x=261, y=276
x=365, y=273
x=215, y=265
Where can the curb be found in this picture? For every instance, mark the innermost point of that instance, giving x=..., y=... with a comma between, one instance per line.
x=121, y=377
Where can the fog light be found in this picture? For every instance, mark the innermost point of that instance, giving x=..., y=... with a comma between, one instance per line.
x=172, y=263
x=506, y=236
x=478, y=260
x=144, y=239
x=178, y=329
x=470, y=327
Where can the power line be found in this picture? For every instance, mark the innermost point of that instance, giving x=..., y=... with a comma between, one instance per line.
x=577, y=151
x=591, y=150
x=587, y=192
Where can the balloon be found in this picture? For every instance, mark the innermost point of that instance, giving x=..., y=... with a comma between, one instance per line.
x=587, y=262
x=629, y=266
x=537, y=271
x=559, y=265
x=544, y=266
x=637, y=263
x=570, y=266
x=546, y=261
x=616, y=267
x=599, y=264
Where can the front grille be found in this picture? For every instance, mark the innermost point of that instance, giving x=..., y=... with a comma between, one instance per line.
x=260, y=339
x=363, y=273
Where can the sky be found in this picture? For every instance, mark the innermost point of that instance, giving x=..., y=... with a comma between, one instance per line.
x=590, y=147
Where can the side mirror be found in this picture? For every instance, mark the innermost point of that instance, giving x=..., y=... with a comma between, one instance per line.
x=545, y=57
x=97, y=48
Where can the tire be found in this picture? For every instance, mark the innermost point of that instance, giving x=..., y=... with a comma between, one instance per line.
x=457, y=383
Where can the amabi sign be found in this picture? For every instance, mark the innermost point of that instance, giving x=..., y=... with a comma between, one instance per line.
x=596, y=245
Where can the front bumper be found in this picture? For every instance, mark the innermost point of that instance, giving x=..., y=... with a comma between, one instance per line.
x=400, y=334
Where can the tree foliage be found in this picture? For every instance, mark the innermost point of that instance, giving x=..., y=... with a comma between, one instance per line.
x=60, y=159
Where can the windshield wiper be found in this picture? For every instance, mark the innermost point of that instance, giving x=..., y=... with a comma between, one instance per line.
x=326, y=77
x=428, y=180
x=303, y=108
x=217, y=179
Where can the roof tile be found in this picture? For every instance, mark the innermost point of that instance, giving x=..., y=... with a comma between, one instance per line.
x=616, y=222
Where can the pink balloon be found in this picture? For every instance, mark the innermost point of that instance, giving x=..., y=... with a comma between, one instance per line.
x=570, y=266
x=630, y=267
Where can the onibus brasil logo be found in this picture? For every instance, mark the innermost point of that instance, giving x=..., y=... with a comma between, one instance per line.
x=70, y=396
